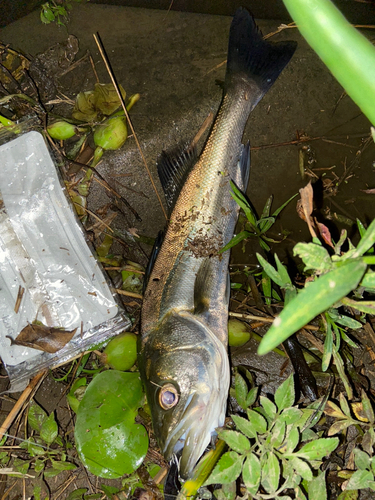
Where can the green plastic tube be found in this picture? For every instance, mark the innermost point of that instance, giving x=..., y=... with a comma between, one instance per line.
x=345, y=51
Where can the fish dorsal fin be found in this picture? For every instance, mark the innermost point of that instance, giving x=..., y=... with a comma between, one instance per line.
x=154, y=253
x=173, y=169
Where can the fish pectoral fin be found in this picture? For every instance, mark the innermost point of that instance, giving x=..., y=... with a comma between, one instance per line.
x=173, y=169
x=205, y=286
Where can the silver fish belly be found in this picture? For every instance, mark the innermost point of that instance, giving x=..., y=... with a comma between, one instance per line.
x=183, y=355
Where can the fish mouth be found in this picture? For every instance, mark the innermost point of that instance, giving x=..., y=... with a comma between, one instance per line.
x=202, y=415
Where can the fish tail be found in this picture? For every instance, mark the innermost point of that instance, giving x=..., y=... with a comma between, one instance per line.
x=249, y=54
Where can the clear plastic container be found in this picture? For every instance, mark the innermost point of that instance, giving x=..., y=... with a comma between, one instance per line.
x=43, y=251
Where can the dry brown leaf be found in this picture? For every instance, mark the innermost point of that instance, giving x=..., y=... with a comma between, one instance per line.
x=324, y=233
x=43, y=338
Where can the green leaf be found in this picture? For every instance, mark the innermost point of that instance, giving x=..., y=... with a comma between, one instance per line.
x=251, y=397
x=51, y=472
x=299, y=494
x=282, y=270
x=77, y=494
x=366, y=306
x=367, y=241
x=268, y=406
x=368, y=280
x=109, y=490
x=314, y=256
x=227, y=469
x=290, y=415
x=235, y=440
x=316, y=450
x=236, y=240
x=21, y=466
x=267, y=208
x=328, y=347
x=292, y=441
x=344, y=405
x=359, y=480
x=270, y=271
x=36, y=417
x=285, y=394
x=266, y=224
x=361, y=459
x=348, y=495
x=267, y=288
x=339, y=426
x=242, y=201
x=63, y=465
x=317, y=488
x=270, y=473
x=39, y=465
x=109, y=442
x=240, y=386
x=301, y=468
x=349, y=322
x=278, y=210
x=251, y=473
x=311, y=301
x=278, y=433
x=244, y=426
x=49, y=430
x=257, y=421
x=367, y=407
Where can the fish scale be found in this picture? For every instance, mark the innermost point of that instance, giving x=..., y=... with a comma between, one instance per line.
x=182, y=350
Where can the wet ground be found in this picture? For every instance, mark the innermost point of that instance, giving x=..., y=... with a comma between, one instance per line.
x=173, y=60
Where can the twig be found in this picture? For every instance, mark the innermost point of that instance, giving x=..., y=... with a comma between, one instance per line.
x=265, y=319
x=110, y=72
x=94, y=69
x=129, y=294
x=93, y=215
x=20, y=402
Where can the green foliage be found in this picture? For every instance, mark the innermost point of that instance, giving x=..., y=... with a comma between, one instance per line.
x=334, y=277
x=271, y=448
x=254, y=227
x=109, y=442
x=57, y=12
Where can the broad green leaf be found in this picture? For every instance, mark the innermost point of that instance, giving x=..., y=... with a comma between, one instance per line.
x=36, y=417
x=317, y=488
x=259, y=423
x=77, y=494
x=76, y=393
x=270, y=271
x=285, y=394
x=292, y=440
x=368, y=280
x=39, y=465
x=348, y=495
x=63, y=465
x=251, y=397
x=51, y=472
x=109, y=442
x=359, y=480
x=367, y=407
x=316, y=450
x=333, y=410
x=235, y=440
x=278, y=433
x=301, y=468
x=268, y=406
x=109, y=490
x=241, y=389
x=270, y=473
x=349, y=322
x=243, y=425
x=314, y=256
x=299, y=494
x=361, y=459
x=290, y=415
x=49, y=430
x=227, y=491
x=311, y=301
x=339, y=426
x=227, y=469
x=344, y=405
x=21, y=466
x=251, y=473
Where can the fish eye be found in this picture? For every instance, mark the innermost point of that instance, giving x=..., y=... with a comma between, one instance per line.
x=168, y=396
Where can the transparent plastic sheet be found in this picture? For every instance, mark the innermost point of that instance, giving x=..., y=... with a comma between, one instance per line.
x=43, y=250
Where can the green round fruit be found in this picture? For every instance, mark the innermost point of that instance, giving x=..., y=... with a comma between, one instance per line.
x=121, y=352
x=238, y=333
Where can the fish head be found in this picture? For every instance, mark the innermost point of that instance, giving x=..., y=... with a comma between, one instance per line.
x=187, y=376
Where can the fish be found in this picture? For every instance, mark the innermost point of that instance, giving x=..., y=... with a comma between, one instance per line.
x=182, y=351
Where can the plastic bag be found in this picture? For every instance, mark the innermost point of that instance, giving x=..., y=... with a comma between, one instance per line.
x=44, y=252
